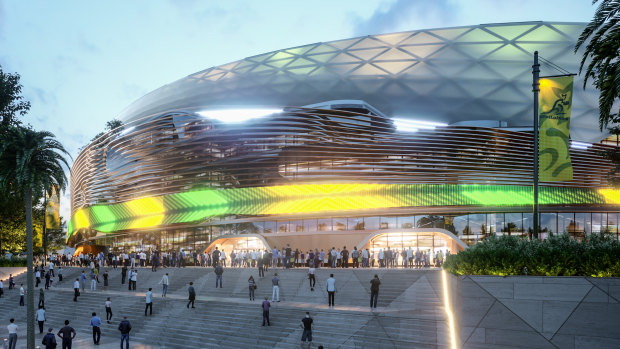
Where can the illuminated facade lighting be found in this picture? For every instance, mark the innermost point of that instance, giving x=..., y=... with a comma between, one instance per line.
x=346, y=147
x=238, y=115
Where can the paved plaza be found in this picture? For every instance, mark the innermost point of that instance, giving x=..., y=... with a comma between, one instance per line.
x=410, y=310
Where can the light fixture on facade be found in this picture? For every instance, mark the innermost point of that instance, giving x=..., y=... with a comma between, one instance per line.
x=408, y=125
x=237, y=115
x=580, y=145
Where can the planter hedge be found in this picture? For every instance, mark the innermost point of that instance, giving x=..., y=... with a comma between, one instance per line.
x=13, y=262
x=595, y=255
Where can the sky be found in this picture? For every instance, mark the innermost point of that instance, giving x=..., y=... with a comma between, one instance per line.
x=82, y=62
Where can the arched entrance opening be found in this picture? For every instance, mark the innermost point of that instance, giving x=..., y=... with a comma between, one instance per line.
x=428, y=241
x=249, y=242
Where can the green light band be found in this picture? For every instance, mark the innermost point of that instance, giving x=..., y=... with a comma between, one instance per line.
x=196, y=206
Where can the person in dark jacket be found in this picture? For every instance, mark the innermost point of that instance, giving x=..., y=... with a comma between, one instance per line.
x=68, y=333
x=124, y=327
x=49, y=340
x=374, y=291
x=192, y=295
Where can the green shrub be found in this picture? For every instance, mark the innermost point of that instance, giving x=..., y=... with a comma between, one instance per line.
x=13, y=262
x=559, y=255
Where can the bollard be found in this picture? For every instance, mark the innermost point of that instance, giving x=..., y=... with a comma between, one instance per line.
x=5, y=344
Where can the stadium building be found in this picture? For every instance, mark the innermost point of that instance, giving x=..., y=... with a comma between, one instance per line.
x=417, y=139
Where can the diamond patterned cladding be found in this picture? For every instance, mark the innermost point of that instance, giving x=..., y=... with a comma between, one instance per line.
x=472, y=58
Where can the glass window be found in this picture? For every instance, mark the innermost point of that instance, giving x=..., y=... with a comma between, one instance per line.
x=514, y=223
x=492, y=220
x=324, y=224
x=407, y=222
x=310, y=225
x=355, y=223
x=477, y=223
x=566, y=222
x=596, y=222
x=259, y=226
x=339, y=223
x=612, y=223
x=424, y=221
x=580, y=228
x=282, y=226
x=371, y=223
x=296, y=226
x=460, y=225
x=528, y=223
x=270, y=227
x=604, y=227
x=548, y=224
x=388, y=223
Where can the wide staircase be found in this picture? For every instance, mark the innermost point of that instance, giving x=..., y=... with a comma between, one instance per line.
x=410, y=311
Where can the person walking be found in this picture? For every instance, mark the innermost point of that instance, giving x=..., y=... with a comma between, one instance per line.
x=164, y=282
x=41, y=300
x=95, y=322
x=192, y=295
x=306, y=325
x=68, y=333
x=48, y=278
x=108, y=310
x=134, y=279
x=49, y=340
x=105, y=280
x=38, y=276
x=83, y=280
x=76, y=289
x=149, y=301
x=374, y=291
x=21, y=294
x=12, y=327
x=124, y=327
x=123, y=274
x=331, y=289
x=311, y=277
x=40, y=315
x=218, y=275
x=275, y=295
x=59, y=280
x=1, y=289
x=252, y=287
x=265, y=306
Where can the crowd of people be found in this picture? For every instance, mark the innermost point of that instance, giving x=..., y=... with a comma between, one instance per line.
x=250, y=258
x=47, y=270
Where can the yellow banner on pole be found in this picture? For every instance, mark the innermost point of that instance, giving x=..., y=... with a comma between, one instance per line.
x=52, y=211
x=556, y=96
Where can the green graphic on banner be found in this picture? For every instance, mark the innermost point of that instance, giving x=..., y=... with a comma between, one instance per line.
x=556, y=95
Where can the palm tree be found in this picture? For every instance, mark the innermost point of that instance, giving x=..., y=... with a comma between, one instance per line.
x=31, y=162
x=603, y=53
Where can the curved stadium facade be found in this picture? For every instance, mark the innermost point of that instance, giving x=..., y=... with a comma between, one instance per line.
x=417, y=139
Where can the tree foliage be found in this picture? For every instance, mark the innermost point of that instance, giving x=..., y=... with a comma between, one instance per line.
x=12, y=103
x=601, y=59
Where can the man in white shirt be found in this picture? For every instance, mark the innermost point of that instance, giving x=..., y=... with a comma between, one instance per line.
x=12, y=334
x=331, y=289
x=1, y=289
x=149, y=301
x=21, y=294
x=311, y=277
x=164, y=282
x=40, y=315
x=76, y=289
